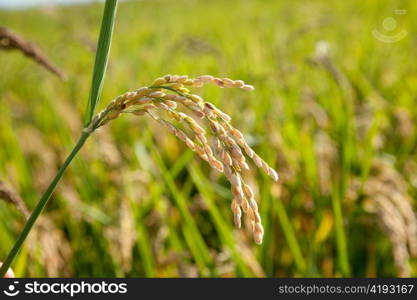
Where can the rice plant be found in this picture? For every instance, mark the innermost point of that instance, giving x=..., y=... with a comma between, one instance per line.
x=229, y=140
x=334, y=115
x=97, y=82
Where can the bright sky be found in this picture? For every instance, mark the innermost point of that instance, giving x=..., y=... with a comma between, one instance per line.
x=28, y=3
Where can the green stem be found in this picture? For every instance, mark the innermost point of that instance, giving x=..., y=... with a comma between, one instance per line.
x=290, y=236
x=41, y=205
x=341, y=244
x=100, y=64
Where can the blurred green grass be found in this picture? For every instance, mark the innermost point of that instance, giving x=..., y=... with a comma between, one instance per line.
x=136, y=202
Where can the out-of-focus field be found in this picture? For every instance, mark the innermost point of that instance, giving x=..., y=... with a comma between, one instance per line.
x=334, y=111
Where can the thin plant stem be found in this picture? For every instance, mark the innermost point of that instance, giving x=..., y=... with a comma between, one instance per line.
x=341, y=244
x=41, y=205
x=100, y=65
x=290, y=236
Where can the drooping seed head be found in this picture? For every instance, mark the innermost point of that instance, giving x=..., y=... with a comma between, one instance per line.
x=238, y=83
x=259, y=233
x=228, y=82
x=142, y=92
x=157, y=94
x=248, y=87
x=171, y=97
x=197, y=83
x=166, y=94
x=160, y=81
x=206, y=78
x=182, y=79
x=196, y=98
x=171, y=104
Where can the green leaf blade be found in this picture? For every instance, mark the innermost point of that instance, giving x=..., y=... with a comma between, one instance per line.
x=102, y=57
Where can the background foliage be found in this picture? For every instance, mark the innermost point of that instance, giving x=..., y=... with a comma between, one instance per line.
x=332, y=104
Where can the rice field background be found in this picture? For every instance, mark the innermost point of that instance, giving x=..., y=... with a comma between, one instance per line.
x=334, y=111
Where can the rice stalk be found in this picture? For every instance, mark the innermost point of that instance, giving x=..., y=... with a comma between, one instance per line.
x=10, y=40
x=10, y=196
x=386, y=196
x=161, y=101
